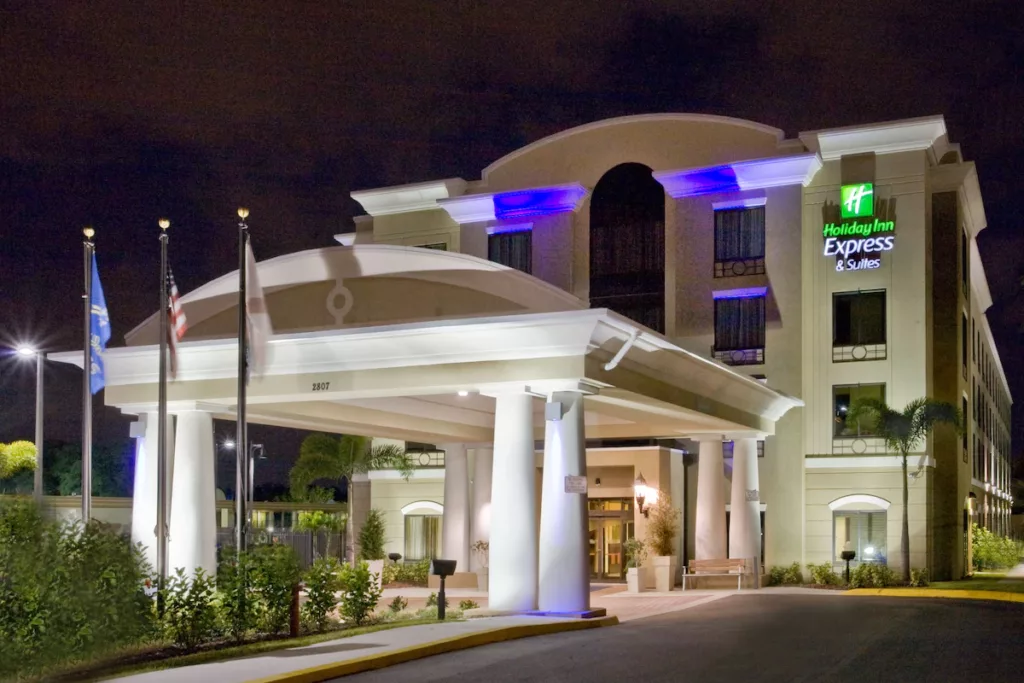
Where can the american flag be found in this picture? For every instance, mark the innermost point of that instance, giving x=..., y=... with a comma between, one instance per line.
x=177, y=326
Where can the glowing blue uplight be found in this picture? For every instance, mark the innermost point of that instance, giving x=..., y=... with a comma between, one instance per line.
x=699, y=181
x=743, y=293
x=539, y=202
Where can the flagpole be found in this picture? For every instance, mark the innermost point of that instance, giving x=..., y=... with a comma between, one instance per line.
x=241, y=440
x=87, y=380
x=161, y=457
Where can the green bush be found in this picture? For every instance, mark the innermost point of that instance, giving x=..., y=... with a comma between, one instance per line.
x=468, y=604
x=824, y=575
x=67, y=592
x=870, y=575
x=238, y=602
x=636, y=552
x=413, y=573
x=275, y=572
x=190, y=613
x=663, y=526
x=322, y=585
x=918, y=578
x=431, y=613
x=785, y=576
x=991, y=551
x=360, y=593
x=398, y=604
x=371, y=537
x=432, y=600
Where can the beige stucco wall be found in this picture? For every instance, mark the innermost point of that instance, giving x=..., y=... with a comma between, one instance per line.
x=391, y=495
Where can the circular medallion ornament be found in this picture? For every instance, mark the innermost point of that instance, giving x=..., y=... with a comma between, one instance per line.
x=859, y=446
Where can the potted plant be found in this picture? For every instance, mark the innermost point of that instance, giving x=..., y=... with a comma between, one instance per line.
x=636, y=555
x=662, y=531
x=371, y=544
x=482, y=548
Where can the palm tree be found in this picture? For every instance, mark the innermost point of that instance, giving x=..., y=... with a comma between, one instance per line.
x=903, y=432
x=322, y=456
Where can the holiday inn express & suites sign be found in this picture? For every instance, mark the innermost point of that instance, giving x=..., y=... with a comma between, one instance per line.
x=857, y=240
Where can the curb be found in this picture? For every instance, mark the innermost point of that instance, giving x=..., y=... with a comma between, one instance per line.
x=325, y=672
x=998, y=596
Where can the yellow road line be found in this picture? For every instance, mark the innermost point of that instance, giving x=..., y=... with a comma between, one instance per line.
x=939, y=593
x=326, y=672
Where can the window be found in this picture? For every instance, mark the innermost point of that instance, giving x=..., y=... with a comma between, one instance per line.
x=963, y=342
x=739, y=241
x=964, y=408
x=974, y=334
x=858, y=318
x=843, y=396
x=422, y=537
x=512, y=249
x=963, y=259
x=728, y=447
x=864, y=531
x=739, y=329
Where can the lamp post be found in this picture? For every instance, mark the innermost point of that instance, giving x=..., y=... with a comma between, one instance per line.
x=255, y=453
x=26, y=351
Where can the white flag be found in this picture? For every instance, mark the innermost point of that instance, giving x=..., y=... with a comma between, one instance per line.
x=258, y=328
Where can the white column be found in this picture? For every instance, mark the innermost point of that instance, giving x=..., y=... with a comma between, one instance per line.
x=480, y=523
x=564, y=582
x=193, y=536
x=513, y=553
x=455, y=519
x=144, y=491
x=709, y=536
x=745, y=509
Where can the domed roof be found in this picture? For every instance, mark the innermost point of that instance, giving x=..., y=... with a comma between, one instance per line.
x=360, y=285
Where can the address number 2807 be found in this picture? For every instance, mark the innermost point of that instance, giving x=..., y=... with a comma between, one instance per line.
x=321, y=386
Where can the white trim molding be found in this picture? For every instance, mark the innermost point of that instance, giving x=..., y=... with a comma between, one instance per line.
x=752, y=174
x=860, y=498
x=434, y=473
x=423, y=505
x=888, y=137
x=763, y=507
x=866, y=462
x=748, y=203
x=386, y=201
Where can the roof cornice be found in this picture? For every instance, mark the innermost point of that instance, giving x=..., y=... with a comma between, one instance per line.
x=741, y=175
x=386, y=201
x=530, y=202
x=881, y=138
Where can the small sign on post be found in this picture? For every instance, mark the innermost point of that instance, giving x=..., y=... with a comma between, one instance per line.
x=575, y=484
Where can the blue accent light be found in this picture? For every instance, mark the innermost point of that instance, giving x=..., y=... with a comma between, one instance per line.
x=513, y=227
x=702, y=181
x=539, y=202
x=744, y=293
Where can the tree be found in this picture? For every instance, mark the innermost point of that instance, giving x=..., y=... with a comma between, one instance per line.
x=322, y=456
x=371, y=537
x=903, y=432
x=16, y=457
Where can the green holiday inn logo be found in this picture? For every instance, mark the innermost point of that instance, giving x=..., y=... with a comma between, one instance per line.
x=857, y=200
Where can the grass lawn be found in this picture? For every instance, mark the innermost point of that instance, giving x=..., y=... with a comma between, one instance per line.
x=983, y=581
x=143, y=660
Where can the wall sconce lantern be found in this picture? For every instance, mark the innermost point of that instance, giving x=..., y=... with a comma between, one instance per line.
x=640, y=490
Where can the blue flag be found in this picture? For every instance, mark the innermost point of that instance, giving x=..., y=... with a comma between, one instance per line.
x=99, y=331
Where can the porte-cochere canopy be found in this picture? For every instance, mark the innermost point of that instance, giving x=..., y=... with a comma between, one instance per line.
x=381, y=340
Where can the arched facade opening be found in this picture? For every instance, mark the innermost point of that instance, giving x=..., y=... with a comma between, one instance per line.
x=627, y=245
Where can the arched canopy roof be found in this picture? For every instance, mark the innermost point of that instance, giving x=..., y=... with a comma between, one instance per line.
x=372, y=284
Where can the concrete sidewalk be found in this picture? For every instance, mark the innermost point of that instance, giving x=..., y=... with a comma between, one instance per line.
x=344, y=656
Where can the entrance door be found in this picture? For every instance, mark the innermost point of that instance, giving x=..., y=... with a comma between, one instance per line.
x=611, y=525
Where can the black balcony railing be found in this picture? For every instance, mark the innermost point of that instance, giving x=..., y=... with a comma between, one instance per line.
x=739, y=356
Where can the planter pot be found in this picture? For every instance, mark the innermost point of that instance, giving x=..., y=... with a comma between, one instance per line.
x=634, y=580
x=481, y=580
x=664, y=573
x=376, y=570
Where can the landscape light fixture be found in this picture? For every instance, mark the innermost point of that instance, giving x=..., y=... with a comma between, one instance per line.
x=640, y=490
x=463, y=393
x=848, y=554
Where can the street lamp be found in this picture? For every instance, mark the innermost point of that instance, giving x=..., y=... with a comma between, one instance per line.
x=26, y=351
x=255, y=453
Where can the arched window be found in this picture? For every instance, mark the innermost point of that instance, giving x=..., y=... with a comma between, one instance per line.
x=422, y=527
x=627, y=245
x=860, y=520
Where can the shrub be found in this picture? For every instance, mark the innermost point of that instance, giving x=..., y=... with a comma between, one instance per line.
x=467, y=604
x=398, y=604
x=432, y=600
x=238, y=602
x=67, y=592
x=322, y=584
x=785, y=576
x=388, y=573
x=431, y=613
x=824, y=575
x=17, y=456
x=190, y=615
x=275, y=572
x=414, y=573
x=360, y=592
x=990, y=551
x=870, y=575
x=371, y=537
x=636, y=552
x=663, y=526
x=918, y=578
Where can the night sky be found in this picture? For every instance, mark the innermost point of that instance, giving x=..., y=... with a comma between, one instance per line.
x=117, y=113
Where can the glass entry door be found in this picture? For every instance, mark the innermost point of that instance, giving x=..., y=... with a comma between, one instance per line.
x=611, y=525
